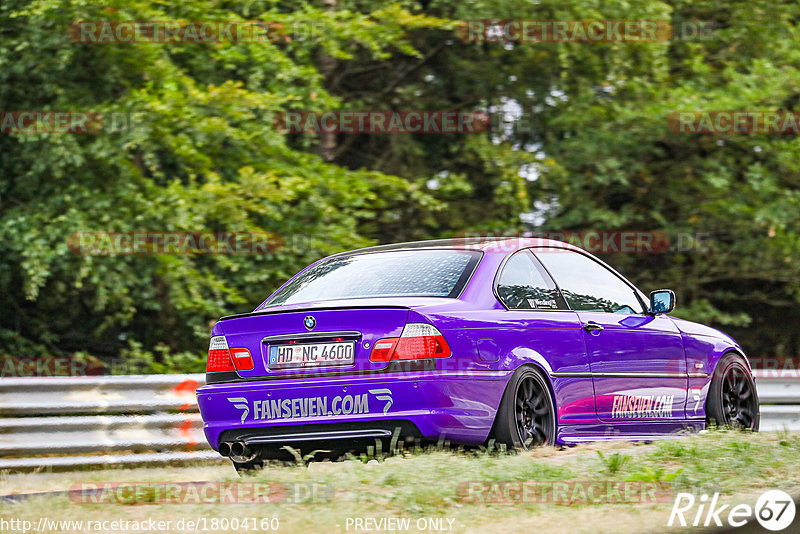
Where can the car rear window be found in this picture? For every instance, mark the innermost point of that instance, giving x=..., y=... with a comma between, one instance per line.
x=406, y=273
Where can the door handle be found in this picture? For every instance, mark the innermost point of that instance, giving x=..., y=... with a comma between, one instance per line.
x=593, y=328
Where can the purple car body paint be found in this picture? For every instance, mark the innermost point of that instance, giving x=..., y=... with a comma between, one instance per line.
x=426, y=336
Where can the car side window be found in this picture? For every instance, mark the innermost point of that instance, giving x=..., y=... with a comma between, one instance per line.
x=525, y=285
x=587, y=285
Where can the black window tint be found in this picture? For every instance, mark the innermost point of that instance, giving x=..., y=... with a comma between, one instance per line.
x=525, y=285
x=421, y=273
x=588, y=285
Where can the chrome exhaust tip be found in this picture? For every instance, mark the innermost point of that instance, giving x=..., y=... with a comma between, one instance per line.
x=240, y=452
x=238, y=448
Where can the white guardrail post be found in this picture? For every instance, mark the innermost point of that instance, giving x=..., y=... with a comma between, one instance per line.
x=152, y=419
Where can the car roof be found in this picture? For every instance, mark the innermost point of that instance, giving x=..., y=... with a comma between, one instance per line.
x=481, y=243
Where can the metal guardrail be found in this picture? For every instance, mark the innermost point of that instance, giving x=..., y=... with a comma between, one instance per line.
x=98, y=394
x=139, y=419
x=151, y=419
x=779, y=394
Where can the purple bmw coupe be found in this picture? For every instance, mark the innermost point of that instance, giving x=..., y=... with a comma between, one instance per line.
x=524, y=341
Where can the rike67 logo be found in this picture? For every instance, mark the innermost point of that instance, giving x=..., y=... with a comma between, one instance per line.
x=774, y=510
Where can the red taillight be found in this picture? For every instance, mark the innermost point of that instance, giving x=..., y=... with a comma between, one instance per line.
x=382, y=350
x=242, y=359
x=418, y=341
x=219, y=357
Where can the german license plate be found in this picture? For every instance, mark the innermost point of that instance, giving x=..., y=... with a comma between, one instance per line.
x=311, y=355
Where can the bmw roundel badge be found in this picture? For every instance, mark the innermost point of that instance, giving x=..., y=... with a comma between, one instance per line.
x=310, y=322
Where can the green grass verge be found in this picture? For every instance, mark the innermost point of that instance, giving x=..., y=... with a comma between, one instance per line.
x=426, y=485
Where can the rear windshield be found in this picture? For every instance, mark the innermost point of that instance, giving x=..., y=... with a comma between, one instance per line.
x=406, y=273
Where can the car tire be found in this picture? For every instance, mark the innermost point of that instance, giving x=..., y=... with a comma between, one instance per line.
x=732, y=397
x=526, y=416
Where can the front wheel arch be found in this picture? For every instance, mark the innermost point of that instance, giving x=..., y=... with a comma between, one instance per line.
x=717, y=412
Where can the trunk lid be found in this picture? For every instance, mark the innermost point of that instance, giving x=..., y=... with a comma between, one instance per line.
x=286, y=329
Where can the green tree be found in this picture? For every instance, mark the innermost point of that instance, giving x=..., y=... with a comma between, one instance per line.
x=202, y=156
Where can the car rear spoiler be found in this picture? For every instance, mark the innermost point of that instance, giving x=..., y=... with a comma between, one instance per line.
x=310, y=308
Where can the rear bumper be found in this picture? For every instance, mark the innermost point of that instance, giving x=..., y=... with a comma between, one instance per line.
x=454, y=405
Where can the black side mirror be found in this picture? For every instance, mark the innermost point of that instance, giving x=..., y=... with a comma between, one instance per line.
x=662, y=301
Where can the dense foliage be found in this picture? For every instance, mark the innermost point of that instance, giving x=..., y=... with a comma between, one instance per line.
x=579, y=140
